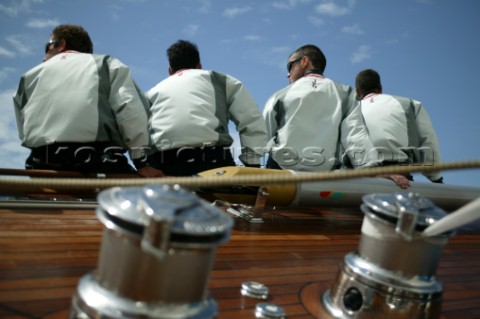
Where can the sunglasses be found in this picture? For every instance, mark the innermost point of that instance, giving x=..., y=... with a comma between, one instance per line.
x=48, y=44
x=290, y=64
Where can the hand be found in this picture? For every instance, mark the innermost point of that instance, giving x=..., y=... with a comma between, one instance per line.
x=400, y=180
x=148, y=171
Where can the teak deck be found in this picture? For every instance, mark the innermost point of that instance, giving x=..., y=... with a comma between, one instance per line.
x=44, y=252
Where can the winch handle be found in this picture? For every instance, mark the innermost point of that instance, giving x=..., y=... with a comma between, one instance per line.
x=156, y=234
x=156, y=238
x=462, y=216
x=407, y=220
x=161, y=205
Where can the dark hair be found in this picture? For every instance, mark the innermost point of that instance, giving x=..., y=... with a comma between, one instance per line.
x=319, y=61
x=183, y=55
x=75, y=37
x=368, y=81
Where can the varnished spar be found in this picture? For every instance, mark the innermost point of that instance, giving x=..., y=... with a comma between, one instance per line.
x=285, y=188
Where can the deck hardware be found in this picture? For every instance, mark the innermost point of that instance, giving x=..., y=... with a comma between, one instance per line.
x=266, y=310
x=220, y=173
x=238, y=210
x=260, y=203
x=254, y=289
x=252, y=214
x=152, y=237
x=352, y=300
x=392, y=274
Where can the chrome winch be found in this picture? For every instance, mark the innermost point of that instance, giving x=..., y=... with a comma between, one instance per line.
x=393, y=273
x=158, y=247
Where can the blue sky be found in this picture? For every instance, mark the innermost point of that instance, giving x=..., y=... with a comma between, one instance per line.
x=424, y=49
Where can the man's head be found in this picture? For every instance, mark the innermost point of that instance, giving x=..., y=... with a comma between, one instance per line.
x=306, y=58
x=68, y=37
x=183, y=55
x=366, y=82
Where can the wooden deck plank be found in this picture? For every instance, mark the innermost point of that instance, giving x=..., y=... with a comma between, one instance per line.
x=43, y=254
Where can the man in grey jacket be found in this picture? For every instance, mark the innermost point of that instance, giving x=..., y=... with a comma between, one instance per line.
x=82, y=111
x=190, y=114
x=399, y=127
x=314, y=124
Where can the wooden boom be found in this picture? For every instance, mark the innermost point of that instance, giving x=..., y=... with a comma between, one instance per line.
x=339, y=193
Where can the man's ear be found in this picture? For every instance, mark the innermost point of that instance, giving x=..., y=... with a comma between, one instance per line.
x=170, y=72
x=62, y=46
x=359, y=94
x=199, y=65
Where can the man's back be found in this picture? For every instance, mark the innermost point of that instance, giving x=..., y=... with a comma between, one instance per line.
x=72, y=97
x=80, y=111
x=189, y=109
x=304, y=123
x=401, y=130
x=387, y=121
x=399, y=127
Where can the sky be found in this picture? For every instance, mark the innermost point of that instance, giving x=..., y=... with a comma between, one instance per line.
x=424, y=49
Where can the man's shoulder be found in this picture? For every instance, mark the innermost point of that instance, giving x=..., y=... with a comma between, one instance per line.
x=404, y=100
x=232, y=80
x=280, y=94
x=35, y=69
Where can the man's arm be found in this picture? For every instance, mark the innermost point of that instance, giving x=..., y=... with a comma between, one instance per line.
x=356, y=141
x=428, y=142
x=130, y=108
x=248, y=119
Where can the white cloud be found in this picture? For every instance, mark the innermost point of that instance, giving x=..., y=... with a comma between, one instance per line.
x=281, y=5
x=191, y=29
x=282, y=49
x=331, y=8
x=8, y=128
x=20, y=43
x=277, y=56
x=317, y=22
x=42, y=23
x=6, y=53
x=352, y=29
x=289, y=4
x=253, y=37
x=12, y=154
x=363, y=53
x=17, y=7
x=114, y=11
x=233, y=12
x=392, y=41
x=205, y=6
x=5, y=73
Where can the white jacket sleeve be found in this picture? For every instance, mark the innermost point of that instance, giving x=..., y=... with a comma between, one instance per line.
x=18, y=109
x=130, y=108
x=356, y=140
x=269, y=114
x=428, y=143
x=243, y=111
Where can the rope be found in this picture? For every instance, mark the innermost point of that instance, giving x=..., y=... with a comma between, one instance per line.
x=82, y=184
